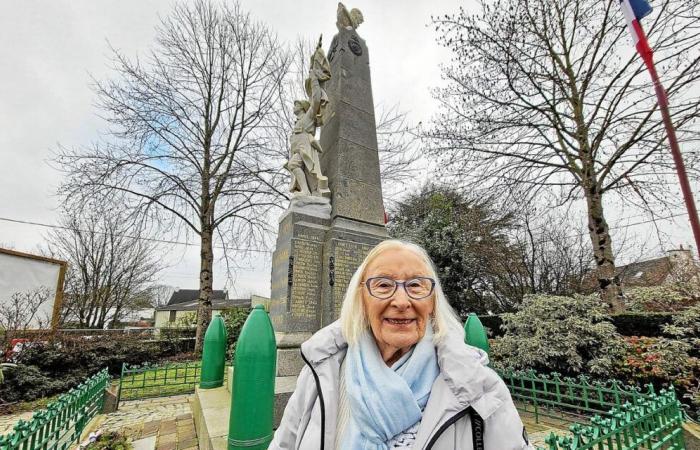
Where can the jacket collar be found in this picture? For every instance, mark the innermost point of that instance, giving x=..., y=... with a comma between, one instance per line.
x=462, y=367
x=464, y=379
x=326, y=342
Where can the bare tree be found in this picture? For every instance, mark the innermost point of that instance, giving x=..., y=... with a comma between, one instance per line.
x=111, y=267
x=22, y=311
x=555, y=256
x=545, y=98
x=192, y=148
x=160, y=294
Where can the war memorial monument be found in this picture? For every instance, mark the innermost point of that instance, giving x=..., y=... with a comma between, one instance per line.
x=335, y=216
x=336, y=213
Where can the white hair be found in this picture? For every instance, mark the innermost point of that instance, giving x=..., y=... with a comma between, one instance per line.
x=353, y=316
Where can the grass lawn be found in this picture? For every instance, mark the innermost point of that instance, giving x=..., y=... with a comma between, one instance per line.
x=159, y=381
x=34, y=405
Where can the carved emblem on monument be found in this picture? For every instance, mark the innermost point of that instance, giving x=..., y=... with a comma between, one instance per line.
x=355, y=46
x=304, y=165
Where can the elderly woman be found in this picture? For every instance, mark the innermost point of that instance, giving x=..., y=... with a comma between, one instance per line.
x=394, y=371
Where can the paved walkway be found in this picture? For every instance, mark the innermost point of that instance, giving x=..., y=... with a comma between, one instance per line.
x=8, y=422
x=168, y=419
x=539, y=430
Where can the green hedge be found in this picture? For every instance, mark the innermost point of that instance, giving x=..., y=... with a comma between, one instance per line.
x=627, y=324
x=46, y=368
x=493, y=325
x=641, y=324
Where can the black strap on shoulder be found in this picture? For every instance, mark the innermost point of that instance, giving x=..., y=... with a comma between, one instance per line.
x=477, y=424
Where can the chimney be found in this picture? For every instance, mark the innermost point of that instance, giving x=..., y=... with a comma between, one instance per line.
x=680, y=254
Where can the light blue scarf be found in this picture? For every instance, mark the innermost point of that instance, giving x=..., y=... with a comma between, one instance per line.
x=384, y=401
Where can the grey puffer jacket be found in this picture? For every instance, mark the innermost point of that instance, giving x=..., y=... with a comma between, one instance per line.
x=309, y=421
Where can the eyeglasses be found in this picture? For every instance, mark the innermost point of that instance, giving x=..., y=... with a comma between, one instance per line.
x=416, y=288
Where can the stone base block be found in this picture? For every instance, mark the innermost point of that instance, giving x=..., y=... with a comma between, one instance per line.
x=110, y=403
x=211, y=409
x=289, y=362
x=691, y=434
x=284, y=387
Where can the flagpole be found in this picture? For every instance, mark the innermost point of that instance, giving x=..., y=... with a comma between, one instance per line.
x=647, y=55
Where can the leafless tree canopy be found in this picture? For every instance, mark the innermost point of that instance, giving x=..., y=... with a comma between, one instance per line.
x=160, y=294
x=22, y=309
x=192, y=146
x=111, y=268
x=555, y=257
x=547, y=99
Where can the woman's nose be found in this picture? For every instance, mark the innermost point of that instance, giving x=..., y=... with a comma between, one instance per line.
x=400, y=299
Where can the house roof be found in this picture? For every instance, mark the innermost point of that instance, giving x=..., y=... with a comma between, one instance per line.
x=216, y=304
x=188, y=295
x=651, y=272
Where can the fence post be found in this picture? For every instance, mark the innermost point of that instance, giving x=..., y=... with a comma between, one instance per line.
x=475, y=333
x=253, y=386
x=119, y=392
x=213, y=355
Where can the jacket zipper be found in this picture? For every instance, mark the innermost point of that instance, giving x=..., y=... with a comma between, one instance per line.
x=320, y=398
x=445, y=426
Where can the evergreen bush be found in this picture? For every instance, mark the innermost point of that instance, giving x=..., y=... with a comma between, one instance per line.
x=569, y=335
x=52, y=367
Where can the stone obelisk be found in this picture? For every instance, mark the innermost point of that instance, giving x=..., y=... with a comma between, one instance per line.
x=320, y=245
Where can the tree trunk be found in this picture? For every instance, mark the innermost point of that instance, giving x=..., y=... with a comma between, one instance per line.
x=115, y=320
x=205, y=287
x=608, y=282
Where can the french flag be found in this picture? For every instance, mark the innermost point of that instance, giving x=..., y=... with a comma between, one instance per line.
x=634, y=11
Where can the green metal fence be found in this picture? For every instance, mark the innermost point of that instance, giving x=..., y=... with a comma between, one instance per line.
x=58, y=426
x=653, y=424
x=137, y=382
x=624, y=417
x=550, y=394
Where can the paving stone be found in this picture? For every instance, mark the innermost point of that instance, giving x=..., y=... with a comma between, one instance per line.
x=144, y=444
x=190, y=443
x=166, y=420
x=186, y=436
x=164, y=437
x=150, y=427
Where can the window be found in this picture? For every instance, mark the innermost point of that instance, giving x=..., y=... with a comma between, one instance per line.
x=172, y=316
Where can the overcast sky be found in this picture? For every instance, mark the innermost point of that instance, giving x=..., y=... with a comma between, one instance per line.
x=49, y=49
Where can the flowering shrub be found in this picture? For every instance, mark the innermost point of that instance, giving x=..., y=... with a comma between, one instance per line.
x=659, y=361
x=569, y=335
x=662, y=362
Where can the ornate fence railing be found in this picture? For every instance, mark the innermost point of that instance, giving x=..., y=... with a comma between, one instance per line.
x=652, y=424
x=549, y=394
x=624, y=417
x=146, y=381
x=58, y=426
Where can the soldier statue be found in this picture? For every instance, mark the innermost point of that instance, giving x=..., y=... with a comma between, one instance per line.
x=304, y=163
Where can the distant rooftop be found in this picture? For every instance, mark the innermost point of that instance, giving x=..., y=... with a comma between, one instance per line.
x=654, y=272
x=223, y=303
x=188, y=295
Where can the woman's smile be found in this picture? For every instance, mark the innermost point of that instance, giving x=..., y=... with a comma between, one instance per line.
x=399, y=323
